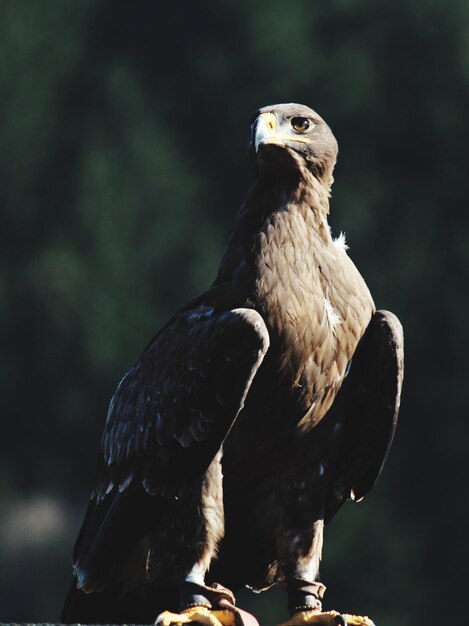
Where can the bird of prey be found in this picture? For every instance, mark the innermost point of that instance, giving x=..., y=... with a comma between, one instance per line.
x=250, y=418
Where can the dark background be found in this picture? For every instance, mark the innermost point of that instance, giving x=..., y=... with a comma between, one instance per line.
x=123, y=142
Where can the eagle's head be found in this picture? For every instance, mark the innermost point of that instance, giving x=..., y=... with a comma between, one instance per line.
x=293, y=136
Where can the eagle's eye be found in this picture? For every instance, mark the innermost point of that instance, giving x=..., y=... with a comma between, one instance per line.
x=300, y=124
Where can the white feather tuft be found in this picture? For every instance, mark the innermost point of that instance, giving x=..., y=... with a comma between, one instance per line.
x=340, y=242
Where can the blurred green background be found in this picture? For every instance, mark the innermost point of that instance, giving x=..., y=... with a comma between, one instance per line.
x=123, y=135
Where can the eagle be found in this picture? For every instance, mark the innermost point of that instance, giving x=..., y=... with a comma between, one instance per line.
x=256, y=411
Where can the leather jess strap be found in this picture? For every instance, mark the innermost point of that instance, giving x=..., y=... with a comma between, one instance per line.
x=304, y=595
x=217, y=598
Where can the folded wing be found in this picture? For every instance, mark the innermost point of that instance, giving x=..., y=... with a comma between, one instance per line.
x=166, y=422
x=369, y=401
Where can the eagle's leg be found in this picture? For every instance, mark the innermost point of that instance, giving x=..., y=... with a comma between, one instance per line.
x=300, y=554
x=305, y=592
x=199, y=603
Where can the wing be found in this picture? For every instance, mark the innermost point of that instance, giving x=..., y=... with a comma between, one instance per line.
x=369, y=401
x=166, y=422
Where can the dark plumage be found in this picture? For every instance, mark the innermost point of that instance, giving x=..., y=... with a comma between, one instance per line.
x=282, y=372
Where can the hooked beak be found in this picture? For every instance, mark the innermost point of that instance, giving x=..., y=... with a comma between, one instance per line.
x=266, y=131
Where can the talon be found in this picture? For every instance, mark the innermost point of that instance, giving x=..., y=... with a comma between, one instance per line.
x=358, y=620
x=167, y=618
x=328, y=618
x=199, y=614
x=226, y=617
x=315, y=618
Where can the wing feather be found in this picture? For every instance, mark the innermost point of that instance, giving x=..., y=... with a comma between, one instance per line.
x=187, y=387
x=369, y=400
x=166, y=422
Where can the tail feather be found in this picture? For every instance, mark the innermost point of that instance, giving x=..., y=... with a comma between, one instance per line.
x=109, y=532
